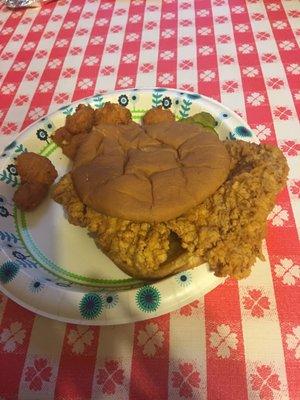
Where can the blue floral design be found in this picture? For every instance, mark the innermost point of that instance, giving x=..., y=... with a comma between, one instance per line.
x=8, y=271
x=242, y=131
x=193, y=96
x=8, y=237
x=134, y=96
x=20, y=259
x=8, y=177
x=184, y=278
x=177, y=102
x=67, y=110
x=57, y=283
x=223, y=115
x=42, y=134
x=36, y=286
x=4, y=212
x=148, y=299
x=13, y=147
x=98, y=100
x=123, y=100
x=3, y=200
x=10, y=146
x=166, y=102
x=90, y=306
x=111, y=300
x=12, y=169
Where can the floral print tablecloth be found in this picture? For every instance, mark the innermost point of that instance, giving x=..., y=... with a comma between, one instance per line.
x=242, y=340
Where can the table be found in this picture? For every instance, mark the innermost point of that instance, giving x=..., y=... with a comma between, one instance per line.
x=242, y=340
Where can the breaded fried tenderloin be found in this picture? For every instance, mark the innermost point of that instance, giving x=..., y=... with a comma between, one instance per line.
x=167, y=196
x=138, y=248
x=226, y=230
x=127, y=180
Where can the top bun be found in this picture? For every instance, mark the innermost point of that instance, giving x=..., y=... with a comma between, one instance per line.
x=152, y=173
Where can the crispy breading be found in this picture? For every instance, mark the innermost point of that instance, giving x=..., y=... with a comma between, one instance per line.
x=142, y=245
x=64, y=193
x=227, y=229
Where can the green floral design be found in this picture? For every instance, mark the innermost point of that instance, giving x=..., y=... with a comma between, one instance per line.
x=185, y=107
x=98, y=101
x=148, y=299
x=157, y=96
x=8, y=178
x=9, y=175
x=8, y=272
x=91, y=306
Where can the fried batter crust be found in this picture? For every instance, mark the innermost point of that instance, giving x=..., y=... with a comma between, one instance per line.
x=226, y=230
x=142, y=245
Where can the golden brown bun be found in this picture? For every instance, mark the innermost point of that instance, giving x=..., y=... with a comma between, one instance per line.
x=152, y=174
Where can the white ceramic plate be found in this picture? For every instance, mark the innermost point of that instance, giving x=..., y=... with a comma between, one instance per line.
x=54, y=268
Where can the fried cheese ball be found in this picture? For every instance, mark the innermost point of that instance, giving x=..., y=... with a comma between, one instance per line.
x=113, y=114
x=37, y=174
x=157, y=115
x=81, y=121
x=35, y=168
x=29, y=195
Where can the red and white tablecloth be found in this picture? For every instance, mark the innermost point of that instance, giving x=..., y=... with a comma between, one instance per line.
x=242, y=340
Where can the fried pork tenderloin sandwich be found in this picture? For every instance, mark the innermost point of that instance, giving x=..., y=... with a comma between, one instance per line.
x=167, y=196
